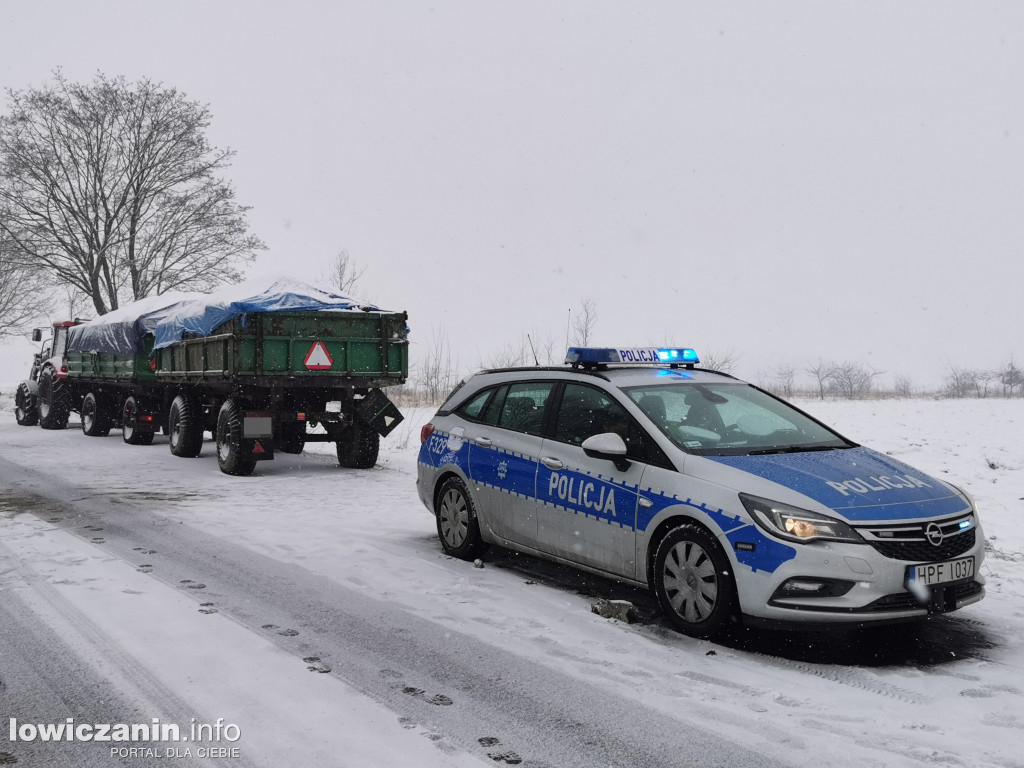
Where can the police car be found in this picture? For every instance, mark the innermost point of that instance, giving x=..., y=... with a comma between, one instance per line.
x=723, y=499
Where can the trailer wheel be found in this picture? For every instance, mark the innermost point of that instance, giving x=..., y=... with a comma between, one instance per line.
x=54, y=405
x=95, y=418
x=230, y=457
x=185, y=426
x=132, y=433
x=26, y=410
x=359, y=446
x=291, y=438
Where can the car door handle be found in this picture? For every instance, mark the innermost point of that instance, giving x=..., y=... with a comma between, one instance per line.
x=646, y=503
x=483, y=442
x=552, y=463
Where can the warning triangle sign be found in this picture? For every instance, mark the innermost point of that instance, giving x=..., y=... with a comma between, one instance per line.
x=318, y=358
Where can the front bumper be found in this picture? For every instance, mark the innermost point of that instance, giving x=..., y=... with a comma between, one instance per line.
x=864, y=585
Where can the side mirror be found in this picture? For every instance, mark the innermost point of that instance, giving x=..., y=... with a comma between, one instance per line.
x=608, y=446
x=37, y=334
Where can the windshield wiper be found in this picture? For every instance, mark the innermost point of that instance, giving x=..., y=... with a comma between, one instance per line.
x=794, y=449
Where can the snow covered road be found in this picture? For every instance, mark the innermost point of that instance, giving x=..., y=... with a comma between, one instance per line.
x=202, y=632
x=312, y=607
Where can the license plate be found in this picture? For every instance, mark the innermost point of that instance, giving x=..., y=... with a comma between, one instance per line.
x=930, y=574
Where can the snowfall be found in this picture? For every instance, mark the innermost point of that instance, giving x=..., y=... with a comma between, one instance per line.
x=948, y=693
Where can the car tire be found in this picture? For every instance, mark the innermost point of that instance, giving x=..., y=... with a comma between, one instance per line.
x=185, y=426
x=693, y=581
x=131, y=433
x=230, y=457
x=457, y=524
x=26, y=409
x=54, y=405
x=95, y=418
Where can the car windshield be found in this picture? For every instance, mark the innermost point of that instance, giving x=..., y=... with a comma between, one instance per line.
x=731, y=420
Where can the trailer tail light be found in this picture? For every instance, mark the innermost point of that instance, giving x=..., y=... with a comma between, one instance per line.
x=147, y=417
x=152, y=364
x=425, y=432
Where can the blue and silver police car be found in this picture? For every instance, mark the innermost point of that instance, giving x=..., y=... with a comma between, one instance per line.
x=725, y=500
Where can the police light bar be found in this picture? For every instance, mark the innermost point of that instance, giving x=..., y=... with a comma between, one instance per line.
x=589, y=356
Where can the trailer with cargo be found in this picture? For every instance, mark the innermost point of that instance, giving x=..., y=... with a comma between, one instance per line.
x=262, y=373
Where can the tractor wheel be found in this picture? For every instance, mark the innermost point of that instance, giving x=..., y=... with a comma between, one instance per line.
x=54, y=400
x=185, y=426
x=26, y=409
x=95, y=417
x=359, y=446
x=230, y=457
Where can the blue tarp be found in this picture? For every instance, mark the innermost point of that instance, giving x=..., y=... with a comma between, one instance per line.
x=170, y=316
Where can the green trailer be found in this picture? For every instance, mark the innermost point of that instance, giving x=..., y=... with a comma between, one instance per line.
x=261, y=382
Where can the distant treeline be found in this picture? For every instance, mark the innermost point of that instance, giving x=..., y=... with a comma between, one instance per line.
x=856, y=381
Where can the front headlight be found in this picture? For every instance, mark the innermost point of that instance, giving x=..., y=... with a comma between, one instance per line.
x=797, y=524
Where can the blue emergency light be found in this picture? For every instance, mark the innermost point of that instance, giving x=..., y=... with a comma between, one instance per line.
x=594, y=356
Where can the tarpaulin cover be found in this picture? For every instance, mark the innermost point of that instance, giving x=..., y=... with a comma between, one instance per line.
x=170, y=316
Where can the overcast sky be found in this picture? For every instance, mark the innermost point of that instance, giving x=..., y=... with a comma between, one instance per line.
x=785, y=181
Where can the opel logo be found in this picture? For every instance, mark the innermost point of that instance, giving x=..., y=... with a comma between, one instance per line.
x=934, y=534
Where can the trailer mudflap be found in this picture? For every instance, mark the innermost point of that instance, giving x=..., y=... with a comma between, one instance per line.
x=379, y=412
x=258, y=435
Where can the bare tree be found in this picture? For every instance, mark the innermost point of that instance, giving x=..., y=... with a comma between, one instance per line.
x=852, y=381
x=545, y=348
x=985, y=379
x=437, y=374
x=23, y=294
x=960, y=382
x=720, y=360
x=783, y=380
x=343, y=274
x=584, y=322
x=903, y=387
x=1012, y=378
x=822, y=371
x=512, y=355
x=114, y=188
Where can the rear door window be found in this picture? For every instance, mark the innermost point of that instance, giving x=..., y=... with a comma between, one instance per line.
x=523, y=406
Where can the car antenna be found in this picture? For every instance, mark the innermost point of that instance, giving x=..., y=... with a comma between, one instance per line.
x=535, y=360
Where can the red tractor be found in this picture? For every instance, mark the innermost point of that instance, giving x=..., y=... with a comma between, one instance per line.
x=44, y=398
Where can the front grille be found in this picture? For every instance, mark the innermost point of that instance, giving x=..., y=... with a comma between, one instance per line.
x=923, y=552
x=910, y=541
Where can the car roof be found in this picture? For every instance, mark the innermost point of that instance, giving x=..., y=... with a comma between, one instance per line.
x=619, y=375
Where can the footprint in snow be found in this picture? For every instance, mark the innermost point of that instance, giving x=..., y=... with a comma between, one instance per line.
x=438, y=700
x=314, y=664
x=508, y=757
x=144, y=568
x=189, y=584
x=283, y=632
x=207, y=608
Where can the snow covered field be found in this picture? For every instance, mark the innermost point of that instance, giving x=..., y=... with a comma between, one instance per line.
x=950, y=693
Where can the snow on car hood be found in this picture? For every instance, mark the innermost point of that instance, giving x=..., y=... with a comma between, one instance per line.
x=859, y=483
